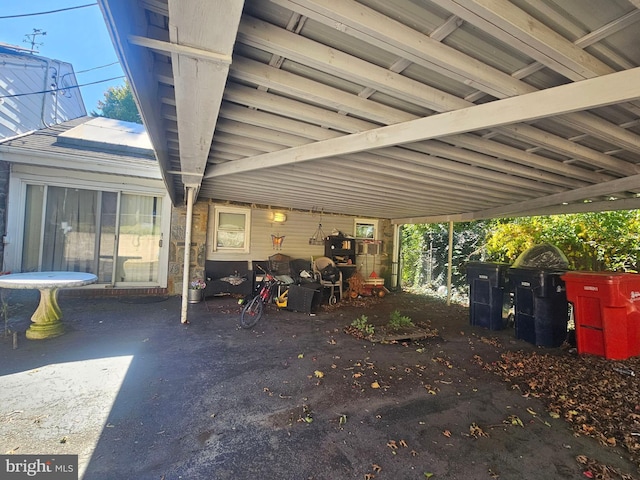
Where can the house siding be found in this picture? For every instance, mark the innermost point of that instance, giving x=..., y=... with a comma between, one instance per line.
x=297, y=230
x=25, y=73
x=4, y=193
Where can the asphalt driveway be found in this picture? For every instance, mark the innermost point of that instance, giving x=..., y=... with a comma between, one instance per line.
x=137, y=395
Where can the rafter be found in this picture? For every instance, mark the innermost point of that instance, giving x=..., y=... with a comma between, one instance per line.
x=593, y=93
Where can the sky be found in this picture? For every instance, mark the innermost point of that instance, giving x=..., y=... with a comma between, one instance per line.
x=78, y=37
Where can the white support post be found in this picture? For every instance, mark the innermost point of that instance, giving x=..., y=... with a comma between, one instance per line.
x=450, y=261
x=187, y=256
x=395, y=259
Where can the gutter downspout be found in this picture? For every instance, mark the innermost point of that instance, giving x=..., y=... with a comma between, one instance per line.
x=44, y=95
x=187, y=256
x=450, y=260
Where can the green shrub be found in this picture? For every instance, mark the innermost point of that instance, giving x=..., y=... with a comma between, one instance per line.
x=398, y=321
x=363, y=325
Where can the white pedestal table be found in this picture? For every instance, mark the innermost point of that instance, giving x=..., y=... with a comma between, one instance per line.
x=47, y=319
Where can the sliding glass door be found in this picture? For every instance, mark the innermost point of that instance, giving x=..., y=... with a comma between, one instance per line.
x=115, y=235
x=139, y=238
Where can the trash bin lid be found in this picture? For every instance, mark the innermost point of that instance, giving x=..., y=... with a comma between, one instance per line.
x=595, y=277
x=542, y=256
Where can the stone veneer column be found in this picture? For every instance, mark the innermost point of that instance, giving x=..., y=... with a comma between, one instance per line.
x=198, y=244
x=385, y=257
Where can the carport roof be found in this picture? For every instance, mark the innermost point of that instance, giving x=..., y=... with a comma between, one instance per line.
x=413, y=111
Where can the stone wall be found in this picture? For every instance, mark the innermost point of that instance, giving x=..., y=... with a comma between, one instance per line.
x=177, y=245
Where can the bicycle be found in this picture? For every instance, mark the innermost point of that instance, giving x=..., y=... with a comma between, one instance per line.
x=254, y=309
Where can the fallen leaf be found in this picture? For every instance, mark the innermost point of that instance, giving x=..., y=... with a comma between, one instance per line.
x=428, y=474
x=376, y=468
x=515, y=420
x=531, y=412
x=301, y=355
x=375, y=384
x=318, y=374
x=402, y=443
x=475, y=431
x=446, y=433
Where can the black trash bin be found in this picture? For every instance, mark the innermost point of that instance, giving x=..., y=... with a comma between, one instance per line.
x=539, y=295
x=487, y=294
x=540, y=304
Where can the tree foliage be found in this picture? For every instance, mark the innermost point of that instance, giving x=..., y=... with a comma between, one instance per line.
x=425, y=251
x=119, y=104
x=591, y=241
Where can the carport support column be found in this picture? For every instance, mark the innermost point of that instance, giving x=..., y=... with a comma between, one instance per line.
x=395, y=265
x=450, y=260
x=187, y=256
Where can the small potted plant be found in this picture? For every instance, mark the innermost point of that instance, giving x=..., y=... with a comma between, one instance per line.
x=196, y=291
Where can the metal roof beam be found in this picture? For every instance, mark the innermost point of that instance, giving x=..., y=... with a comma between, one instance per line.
x=593, y=93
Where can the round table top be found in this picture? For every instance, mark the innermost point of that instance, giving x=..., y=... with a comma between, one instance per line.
x=47, y=279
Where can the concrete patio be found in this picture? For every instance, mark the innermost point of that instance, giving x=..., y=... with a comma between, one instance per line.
x=137, y=395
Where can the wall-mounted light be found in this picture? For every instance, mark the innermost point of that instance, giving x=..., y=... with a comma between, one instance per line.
x=279, y=217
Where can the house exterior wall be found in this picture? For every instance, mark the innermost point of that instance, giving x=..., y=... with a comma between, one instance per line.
x=297, y=230
x=22, y=73
x=22, y=174
x=4, y=194
x=198, y=245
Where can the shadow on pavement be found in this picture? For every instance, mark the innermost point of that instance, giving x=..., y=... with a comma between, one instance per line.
x=137, y=395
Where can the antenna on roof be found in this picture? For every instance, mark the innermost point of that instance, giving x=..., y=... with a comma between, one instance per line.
x=31, y=38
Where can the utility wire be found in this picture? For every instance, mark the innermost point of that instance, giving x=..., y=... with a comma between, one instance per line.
x=46, y=13
x=59, y=89
x=96, y=68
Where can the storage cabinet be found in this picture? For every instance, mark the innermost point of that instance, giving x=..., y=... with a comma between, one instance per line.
x=342, y=250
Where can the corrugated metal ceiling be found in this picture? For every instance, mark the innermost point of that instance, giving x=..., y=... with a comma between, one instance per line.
x=303, y=73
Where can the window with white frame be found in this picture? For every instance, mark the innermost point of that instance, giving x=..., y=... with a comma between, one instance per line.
x=231, y=229
x=366, y=229
x=366, y=233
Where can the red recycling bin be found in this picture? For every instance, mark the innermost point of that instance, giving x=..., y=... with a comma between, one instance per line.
x=606, y=308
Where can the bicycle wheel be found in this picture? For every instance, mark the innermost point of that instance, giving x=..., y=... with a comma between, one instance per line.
x=251, y=312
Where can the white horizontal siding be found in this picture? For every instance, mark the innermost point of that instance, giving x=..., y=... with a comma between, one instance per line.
x=21, y=75
x=297, y=230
